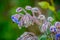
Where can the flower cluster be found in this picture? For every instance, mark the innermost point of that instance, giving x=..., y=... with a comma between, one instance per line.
x=55, y=27
x=27, y=20
x=28, y=36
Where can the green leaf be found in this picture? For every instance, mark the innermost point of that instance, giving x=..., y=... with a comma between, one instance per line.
x=52, y=8
x=43, y=4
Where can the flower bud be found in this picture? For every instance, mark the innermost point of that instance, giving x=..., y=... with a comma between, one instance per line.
x=50, y=19
x=19, y=9
x=41, y=17
x=35, y=9
x=26, y=20
x=28, y=7
x=57, y=24
x=45, y=26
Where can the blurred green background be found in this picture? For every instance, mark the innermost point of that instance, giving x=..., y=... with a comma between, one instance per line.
x=8, y=29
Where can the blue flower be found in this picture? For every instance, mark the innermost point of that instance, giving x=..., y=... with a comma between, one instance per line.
x=14, y=19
